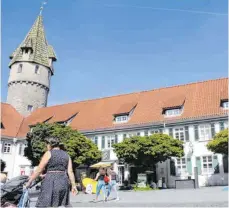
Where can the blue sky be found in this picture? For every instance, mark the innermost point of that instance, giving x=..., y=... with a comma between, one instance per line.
x=114, y=47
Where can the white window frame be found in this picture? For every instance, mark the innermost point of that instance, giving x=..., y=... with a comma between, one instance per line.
x=19, y=69
x=225, y=125
x=207, y=170
x=154, y=131
x=121, y=119
x=95, y=140
x=181, y=162
x=30, y=109
x=22, y=148
x=109, y=141
x=173, y=112
x=177, y=130
x=204, y=128
x=225, y=105
x=7, y=147
x=37, y=69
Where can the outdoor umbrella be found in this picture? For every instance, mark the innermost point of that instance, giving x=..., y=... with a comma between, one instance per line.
x=101, y=164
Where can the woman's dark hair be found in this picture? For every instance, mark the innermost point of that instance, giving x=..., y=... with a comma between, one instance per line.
x=3, y=165
x=53, y=141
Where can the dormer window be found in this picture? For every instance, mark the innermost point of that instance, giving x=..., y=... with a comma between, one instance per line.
x=173, y=112
x=30, y=108
x=224, y=104
x=68, y=121
x=121, y=118
x=2, y=127
x=124, y=112
x=37, y=69
x=19, y=69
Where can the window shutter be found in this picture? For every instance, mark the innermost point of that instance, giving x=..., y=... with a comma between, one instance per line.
x=103, y=142
x=198, y=164
x=189, y=166
x=213, y=129
x=171, y=132
x=186, y=133
x=221, y=126
x=172, y=167
x=225, y=163
x=196, y=132
x=116, y=139
x=20, y=149
x=215, y=164
x=124, y=136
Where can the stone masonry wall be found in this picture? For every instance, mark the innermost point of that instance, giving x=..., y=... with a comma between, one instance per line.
x=22, y=94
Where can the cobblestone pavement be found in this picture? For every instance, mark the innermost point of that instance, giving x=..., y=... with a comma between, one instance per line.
x=203, y=197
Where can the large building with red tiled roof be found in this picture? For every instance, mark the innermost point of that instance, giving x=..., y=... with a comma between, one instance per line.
x=193, y=113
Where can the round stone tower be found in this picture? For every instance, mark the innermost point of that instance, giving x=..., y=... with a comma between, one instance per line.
x=31, y=68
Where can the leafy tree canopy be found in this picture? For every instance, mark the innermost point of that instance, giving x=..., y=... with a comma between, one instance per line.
x=148, y=151
x=81, y=149
x=219, y=144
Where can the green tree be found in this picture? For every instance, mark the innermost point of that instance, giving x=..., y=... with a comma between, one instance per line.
x=219, y=144
x=149, y=150
x=81, y=149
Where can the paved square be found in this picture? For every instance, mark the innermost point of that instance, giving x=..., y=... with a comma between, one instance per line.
x=203, y=197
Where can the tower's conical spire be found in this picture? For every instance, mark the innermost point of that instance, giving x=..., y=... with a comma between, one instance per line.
x=35, y=40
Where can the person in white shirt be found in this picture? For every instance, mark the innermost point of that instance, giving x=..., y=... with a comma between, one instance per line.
x=113, y=182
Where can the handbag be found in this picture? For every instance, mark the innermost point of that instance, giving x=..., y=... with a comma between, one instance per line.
x=106, y=179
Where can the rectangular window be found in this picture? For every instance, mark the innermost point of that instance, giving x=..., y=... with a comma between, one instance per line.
x=95, y=140
x=124, y=136
x=139, y=134
x=30, y=108
x=110, y=141
x=21, y=149
x=37, y=69
x=146, y=133
x=155, y=131
x=179, y=133
x=226, y=125
x=205, y=132
x=19, y=70
x=207, y=164
x=225, y=105
x=103, y=142
x=7, y=148
x=181, y=166
x=173, y=112
x=121, y=119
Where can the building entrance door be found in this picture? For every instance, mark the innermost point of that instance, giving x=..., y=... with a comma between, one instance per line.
x=120, y=174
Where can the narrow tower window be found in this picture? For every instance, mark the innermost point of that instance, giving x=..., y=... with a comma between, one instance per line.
x=30, y=108
x=37, y=69
x=19, y=70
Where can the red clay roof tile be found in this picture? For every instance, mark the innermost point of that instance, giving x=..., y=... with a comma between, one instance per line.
x=201, y=99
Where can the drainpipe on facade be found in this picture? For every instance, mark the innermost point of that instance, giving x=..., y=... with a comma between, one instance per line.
x=14, y=154
x=167, y=163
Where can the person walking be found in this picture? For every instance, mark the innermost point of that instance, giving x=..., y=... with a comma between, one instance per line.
x=101, y=177
x=113, y=183
x=55, y=186
x=3, y=176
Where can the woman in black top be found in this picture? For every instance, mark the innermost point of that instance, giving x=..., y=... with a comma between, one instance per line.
x=101, y=183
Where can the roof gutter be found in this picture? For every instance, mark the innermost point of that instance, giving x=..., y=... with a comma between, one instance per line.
x=160, y=124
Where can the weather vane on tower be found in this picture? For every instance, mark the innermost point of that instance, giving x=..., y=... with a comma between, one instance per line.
x=42, y=7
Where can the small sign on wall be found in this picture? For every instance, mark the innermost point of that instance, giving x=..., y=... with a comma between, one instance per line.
x=142, y=179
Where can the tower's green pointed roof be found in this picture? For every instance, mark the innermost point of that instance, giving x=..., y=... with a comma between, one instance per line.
x=35, y=40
